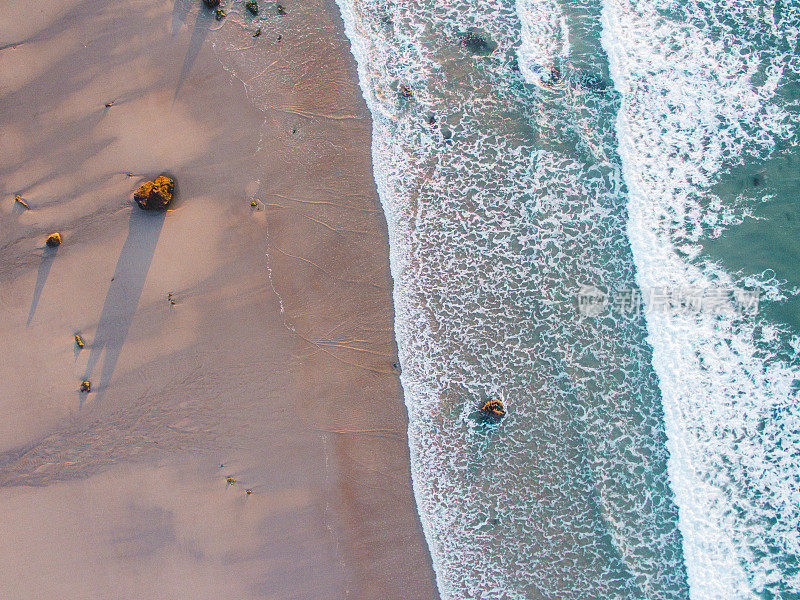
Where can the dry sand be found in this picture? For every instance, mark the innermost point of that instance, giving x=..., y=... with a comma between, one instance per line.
x=277, y=360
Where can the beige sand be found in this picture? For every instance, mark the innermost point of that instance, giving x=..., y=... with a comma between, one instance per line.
x=276, y=360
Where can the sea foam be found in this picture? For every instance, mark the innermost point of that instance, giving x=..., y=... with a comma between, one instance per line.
x=699, y=85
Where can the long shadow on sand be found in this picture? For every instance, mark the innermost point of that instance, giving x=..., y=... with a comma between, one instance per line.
x=202, y=25
x=180, y=10
x=124, y=292
x=48, y=256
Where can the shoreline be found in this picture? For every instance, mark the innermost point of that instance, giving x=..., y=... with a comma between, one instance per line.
x=277, y=360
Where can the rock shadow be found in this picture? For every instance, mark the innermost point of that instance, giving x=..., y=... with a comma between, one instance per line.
x=48, y=256
x=123, y=294
x=202, y=25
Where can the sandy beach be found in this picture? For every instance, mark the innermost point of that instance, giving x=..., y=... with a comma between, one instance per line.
x=276, y=367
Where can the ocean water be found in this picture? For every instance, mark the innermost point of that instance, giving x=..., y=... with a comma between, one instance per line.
x=647, y=149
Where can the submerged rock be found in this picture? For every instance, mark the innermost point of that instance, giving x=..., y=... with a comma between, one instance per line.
x=589, y=81
x=211, y=3
x=279, y=9
x=252, y=6
x=405, y=91
x=53, y=240
x=476, y=43
x=155, y=195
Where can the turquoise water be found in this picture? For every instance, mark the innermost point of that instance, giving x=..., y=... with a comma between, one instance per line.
x=650, y=449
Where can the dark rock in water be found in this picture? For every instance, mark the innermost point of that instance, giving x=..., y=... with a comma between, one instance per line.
x=155, y=195
x=513, y=63
x=279, y=8
x=491, y=411
x=756, y=180
x=211, y=3
x=446, y=134
x=53, y=240
x=405, y=91
x=476, y=43
x=554, y=75
x=430, y=119
x=220, y=14
x=252, y=6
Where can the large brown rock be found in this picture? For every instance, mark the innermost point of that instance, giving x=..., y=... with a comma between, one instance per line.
x=155, y=195
x=211, y=3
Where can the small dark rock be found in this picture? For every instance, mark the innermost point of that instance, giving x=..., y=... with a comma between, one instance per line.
x=405, y=91
x=220, y=14
x=280, y=9
x=430, y=119
x=211, y=3
x=86, y=386
x=757, y=179
x=446, y=134
x=257, y=33
x=252, y=6
x=491, y=411
x=280, y=37
x=53, y=240
x=555, y=75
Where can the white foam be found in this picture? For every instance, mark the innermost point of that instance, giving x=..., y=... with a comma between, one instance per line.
x=689, y=108
x=544, y=35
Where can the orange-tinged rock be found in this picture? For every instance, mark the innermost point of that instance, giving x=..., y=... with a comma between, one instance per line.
x=53, y=240
x=493, y=410
x=155, y=195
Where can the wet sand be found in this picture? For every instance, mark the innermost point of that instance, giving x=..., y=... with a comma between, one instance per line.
x=275, y=366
